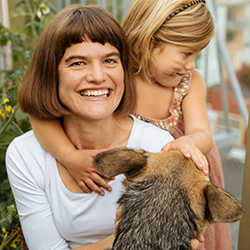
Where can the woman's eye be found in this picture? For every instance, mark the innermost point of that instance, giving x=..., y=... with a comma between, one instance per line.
x=110, y=61
x=78, y=64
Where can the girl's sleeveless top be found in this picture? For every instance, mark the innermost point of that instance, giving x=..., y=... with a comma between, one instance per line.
x=180, y=91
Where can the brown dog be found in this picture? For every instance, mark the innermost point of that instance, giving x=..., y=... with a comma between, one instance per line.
x=167, y=200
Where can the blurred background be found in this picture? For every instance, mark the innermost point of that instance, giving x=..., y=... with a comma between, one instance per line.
x=225, y=65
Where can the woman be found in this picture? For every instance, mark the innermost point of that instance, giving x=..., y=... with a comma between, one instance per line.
x=80, y=73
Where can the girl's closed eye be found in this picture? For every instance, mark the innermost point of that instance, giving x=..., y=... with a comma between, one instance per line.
x=188, y=54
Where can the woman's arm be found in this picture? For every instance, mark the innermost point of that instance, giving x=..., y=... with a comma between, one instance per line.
x=52, y=137
x=198, y=139
x=28, y=180
x=104, y=244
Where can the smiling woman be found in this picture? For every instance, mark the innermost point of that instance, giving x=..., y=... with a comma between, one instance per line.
x=80, y=72
x=93, y=70
x=73, y=31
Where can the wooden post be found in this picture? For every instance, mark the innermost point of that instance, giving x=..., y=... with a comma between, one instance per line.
x=244, y=232
x=6, y=23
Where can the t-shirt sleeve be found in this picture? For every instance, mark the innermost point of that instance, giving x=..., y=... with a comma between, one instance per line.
x=148, y=137
x=27, y=179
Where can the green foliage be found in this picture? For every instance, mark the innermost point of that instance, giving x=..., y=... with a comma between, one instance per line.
x=244, y=75
x=13, y=122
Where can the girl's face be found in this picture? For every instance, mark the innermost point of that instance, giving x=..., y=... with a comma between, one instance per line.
x=172, y=63
x=91, y=79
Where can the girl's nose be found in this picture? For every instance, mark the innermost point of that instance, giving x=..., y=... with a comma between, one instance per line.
x=190, y=65
x=96, y=74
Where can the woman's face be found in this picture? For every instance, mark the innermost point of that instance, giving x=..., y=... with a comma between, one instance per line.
x=91, y=79
x=172, y=63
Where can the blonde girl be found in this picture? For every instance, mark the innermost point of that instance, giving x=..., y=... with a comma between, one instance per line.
x=165, y=36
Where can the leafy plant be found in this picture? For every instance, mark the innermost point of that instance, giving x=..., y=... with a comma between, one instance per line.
x=244, y=75
x=13, y=122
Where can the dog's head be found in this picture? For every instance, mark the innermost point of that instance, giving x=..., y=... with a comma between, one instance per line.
x=209, y=203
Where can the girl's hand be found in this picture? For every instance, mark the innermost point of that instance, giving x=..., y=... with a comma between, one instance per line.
x=195, y=243
x=189, y=150
x=80, y=167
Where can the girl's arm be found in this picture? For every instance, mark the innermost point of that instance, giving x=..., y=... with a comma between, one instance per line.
x=198, y=139
x=52, y=137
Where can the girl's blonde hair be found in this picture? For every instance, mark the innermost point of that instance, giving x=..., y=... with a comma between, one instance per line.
x=146, y=27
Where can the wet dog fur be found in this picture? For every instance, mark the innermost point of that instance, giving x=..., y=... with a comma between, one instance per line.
x=167, y=200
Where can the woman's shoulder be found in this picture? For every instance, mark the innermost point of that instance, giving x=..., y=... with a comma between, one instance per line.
x=147, y=136
x=25, y=155
x=26, y=142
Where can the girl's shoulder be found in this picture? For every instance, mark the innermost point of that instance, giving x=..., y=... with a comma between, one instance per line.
x=197, y=84
x=196, y=78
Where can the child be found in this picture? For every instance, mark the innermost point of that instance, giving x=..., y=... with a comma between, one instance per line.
x=165, y=36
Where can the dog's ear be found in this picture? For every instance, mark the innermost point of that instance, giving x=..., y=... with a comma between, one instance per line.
x=121, y=160
x=222, y=206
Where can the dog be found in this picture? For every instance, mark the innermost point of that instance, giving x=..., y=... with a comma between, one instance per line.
x=167, y=201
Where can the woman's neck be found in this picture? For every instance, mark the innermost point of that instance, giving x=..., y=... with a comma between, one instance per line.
x=103, y=134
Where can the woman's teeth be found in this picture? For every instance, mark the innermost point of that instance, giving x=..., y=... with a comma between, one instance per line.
x=95, y=93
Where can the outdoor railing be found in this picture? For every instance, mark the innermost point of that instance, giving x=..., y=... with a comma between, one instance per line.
x=117, y=7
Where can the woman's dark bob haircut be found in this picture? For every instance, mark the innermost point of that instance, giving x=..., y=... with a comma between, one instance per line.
x=38, y=94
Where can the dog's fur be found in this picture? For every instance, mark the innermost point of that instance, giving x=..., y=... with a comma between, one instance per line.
x=167, y=200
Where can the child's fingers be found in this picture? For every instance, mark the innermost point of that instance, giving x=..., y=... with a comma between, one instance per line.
x=201, y=162
x=195, y=244
x=102, y=181
x=96, y=182
x=197, y=157
x=84, y=187
x=201, y=239
x=104, y=177
x=167, y=147
x=189, y=151
x=94, y=187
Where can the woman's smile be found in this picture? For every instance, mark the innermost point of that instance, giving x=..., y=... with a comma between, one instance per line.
x=95, y=93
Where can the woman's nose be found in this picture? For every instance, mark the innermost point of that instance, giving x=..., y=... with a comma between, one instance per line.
x=96, y=74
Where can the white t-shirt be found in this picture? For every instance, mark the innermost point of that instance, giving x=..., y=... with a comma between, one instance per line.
x=51, y=216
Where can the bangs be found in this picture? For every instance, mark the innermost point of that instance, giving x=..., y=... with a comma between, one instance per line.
x=83, y=25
